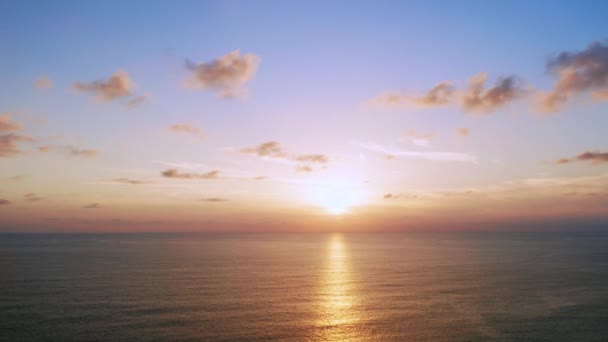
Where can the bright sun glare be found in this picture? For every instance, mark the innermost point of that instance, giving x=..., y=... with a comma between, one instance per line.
x=336, y=198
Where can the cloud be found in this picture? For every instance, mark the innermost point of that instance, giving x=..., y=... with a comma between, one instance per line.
x=183, y=165
x=524, y=197
x=463, y=131
x=4, y=201
x=46, y=148
x=43, y=82
x=313, y=158
x=419, y=139
x=214, y=199
x=577, y=72
x=17, y=178
x=271, y=149
x=260, y=178
x=7, y=125
x=303, y=168
x=476, y=99
x=82, y=153
x=428, y=155
x=226, y=75
x=390, y=99
x=391, y=196
x=117, y=86
x=128, y=181
x=9, y=144
x=136, y=101
x=173, y=173
x=31, y=197
x=563, y=161
x=473, y=99
x=600, y=95
x=71, y=150
x=595, y=157
x=187, y=129
x=92, y=206
x=439, y=95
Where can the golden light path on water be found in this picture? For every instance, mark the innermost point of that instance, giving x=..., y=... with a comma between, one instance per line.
x=338, y=318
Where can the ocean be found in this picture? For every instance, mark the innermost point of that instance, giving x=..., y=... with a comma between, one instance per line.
x=304, y=287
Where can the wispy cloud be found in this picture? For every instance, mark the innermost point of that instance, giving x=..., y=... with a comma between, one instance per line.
x=389, y=99
x=577, y=72
x=439, y=95
x=31, y=197
x=303, y=168
x=128, y=181
x=4, y=201
x=46, y=148
x=226, y=75
x=189, y=129
x=198, y=168
x=92, y=206
x=428, y=155
x=81, y=153
x=394, y=196
x=600, y=95
x=594, y=157
x=480, y=100
x=270, y=149
x=183, y=165
x=43, y=82
x=475, y=98
x=174, y=173
x=273, y=151
x=136, y=101
x=8, y=125
x=9, y=144
x=463, y=131
x=70, y=150
x=312, y=158
x=530, y=195
x=118, y=86
x=214, y=199
x=418, y=138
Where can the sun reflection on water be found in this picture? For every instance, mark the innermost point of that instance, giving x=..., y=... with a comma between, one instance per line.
x=338, y=317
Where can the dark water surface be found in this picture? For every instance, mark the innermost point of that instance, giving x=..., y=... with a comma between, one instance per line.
x=293, y=287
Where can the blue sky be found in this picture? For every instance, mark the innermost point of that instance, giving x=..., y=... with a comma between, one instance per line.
x=321, y=63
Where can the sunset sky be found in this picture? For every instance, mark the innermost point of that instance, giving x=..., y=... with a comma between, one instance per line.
x=322, y=116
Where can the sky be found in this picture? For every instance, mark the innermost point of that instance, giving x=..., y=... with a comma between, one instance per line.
x=303, y=116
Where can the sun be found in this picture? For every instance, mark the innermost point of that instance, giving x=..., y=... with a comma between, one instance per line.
x=337, y=210
x=338, y=203
x=337, y=198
